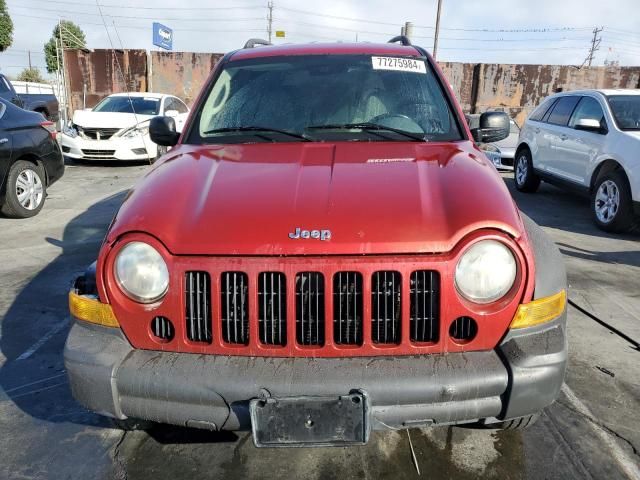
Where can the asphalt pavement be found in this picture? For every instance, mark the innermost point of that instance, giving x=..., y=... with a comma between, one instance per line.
x=592, y=431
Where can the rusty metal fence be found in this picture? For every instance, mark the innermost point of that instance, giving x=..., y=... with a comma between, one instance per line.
x=516, y=89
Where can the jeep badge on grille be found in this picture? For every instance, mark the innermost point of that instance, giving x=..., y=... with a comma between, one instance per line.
x=304, y=234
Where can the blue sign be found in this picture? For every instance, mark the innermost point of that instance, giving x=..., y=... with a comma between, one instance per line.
x=162, y=36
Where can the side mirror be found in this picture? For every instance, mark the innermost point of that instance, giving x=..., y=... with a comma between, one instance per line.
x=493, y=127
x=172, y=113
x=162, y=131
x=589, y=125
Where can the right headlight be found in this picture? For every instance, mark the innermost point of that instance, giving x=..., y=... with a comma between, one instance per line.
x=141, y=272
x=485, y=272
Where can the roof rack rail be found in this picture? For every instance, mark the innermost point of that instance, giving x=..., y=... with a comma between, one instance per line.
x=402, y=39
x=253, y=42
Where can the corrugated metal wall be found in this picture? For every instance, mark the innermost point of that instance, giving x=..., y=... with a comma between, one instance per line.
x=181, y=73
x=516, y=89
x=103, y=72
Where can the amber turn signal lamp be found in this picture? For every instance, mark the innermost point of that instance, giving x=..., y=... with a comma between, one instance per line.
x=540, y=311
x=91, y=310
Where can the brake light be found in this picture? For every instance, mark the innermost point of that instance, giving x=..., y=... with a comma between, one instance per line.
x=50, y=127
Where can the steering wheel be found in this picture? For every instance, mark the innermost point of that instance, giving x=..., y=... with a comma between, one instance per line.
x=401, y=119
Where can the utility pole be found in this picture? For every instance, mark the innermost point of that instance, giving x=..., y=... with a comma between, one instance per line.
x=595, y=45
x=270, y=19
x=67, y=96
x=435, y=38
x=29, y=53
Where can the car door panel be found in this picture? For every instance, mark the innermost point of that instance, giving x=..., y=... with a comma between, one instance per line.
x=557, y=132
x=582, y=147
x=537, y=130
x=6, y=147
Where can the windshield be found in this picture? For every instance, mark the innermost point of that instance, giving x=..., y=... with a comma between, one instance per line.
x=626, y=111
x=325, y=97
x=139, y=105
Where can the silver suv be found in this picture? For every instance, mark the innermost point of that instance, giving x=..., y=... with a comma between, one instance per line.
x=588, y=141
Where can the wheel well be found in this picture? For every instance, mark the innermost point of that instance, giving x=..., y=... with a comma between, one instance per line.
x=521, y=147
x=42, y=110
x=37, y=162
x=604, y=167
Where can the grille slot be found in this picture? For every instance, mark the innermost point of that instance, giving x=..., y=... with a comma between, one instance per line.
x=100, y=133
x=310, y=308
x=424, y=319
x=463, y=329
x=347, y=308
x=272, y=308
x=98, y=153
x=234, y=304
x=386, y=301
x=198, y=306
x=162, y=328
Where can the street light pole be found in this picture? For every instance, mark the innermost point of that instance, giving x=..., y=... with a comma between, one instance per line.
x=435, y=38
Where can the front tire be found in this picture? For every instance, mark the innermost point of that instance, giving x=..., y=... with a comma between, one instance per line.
x=523, y=174
x=26, y=190
x=611, y=203
x=517, y=423
x=160, y=152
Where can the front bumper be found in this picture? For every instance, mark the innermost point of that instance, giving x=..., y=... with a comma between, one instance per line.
x=520, y=377
x=115, y=148
x=502, y=160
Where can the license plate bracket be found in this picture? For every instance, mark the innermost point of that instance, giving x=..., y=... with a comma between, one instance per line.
x=310, y=421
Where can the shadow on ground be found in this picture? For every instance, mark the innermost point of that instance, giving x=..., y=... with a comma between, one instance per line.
x=562, y=210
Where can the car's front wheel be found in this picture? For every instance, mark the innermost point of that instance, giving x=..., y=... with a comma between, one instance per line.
x=525, y=177
x=611, y=203
x=161, y=151
x=25, y=191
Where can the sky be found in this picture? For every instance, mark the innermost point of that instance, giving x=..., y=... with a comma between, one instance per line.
x=489, y=31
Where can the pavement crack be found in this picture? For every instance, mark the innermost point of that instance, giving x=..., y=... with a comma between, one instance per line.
x=611, y=328
x=602, y=426
x=119, y=462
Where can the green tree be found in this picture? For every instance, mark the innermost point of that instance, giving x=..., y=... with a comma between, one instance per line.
x=31, y=75
x=6, y=27
x=72, y=37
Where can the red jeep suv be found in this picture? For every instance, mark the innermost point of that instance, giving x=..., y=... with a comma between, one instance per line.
x=323, y=252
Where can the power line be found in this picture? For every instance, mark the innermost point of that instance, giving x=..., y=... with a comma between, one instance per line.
x=337, y=17
x=155, y=18
x=145, y=27
x=508, y=40
x=542, y=49
x=64, y=2
x=328, y=27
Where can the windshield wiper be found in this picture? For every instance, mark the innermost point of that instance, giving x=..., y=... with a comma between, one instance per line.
x=266, y=130
x=368, y=126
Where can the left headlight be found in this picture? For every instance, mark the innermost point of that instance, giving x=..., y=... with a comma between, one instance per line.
x=70, y=131
x=141, y=129
x=141, y=272
x=492, y=152
x=486, y=272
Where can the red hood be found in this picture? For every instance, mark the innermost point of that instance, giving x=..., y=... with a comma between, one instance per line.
x=375, y=198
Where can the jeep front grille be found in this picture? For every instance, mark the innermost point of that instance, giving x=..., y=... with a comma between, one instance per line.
x=198, y=306
x=347, y=308
x=386, y=307
x=424, y=317
x=310, y=308
x=293, y=310
x=272, y=308
x=235, y=307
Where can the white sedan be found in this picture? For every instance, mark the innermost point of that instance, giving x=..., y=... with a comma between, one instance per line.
x=587, y=141
x=117, y=128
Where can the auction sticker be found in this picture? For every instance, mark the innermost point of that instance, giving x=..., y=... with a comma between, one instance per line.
x=399, y=64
